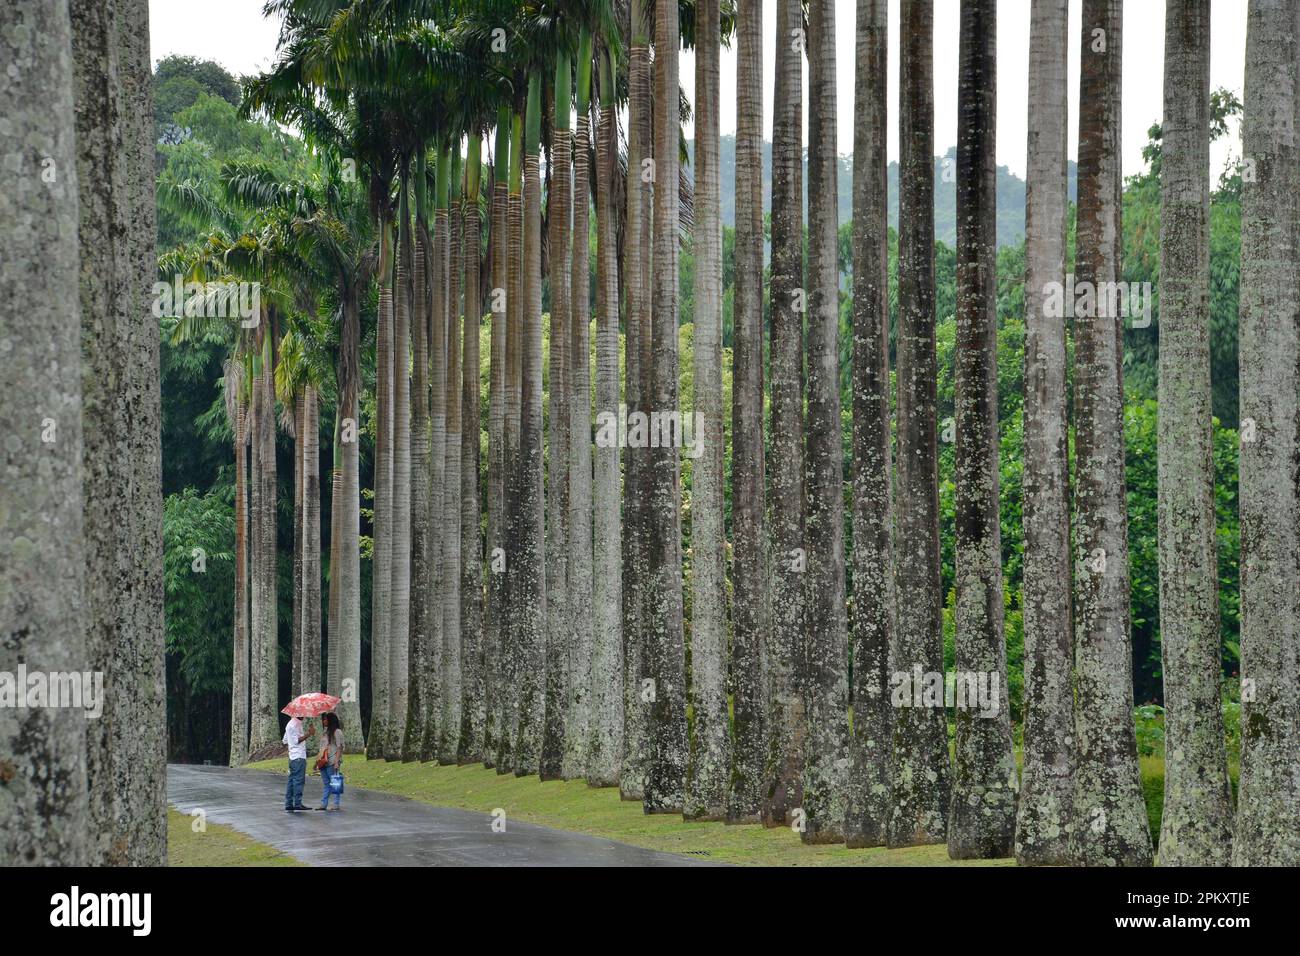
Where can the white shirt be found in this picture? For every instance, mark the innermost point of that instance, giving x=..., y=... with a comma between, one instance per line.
x=293, y=737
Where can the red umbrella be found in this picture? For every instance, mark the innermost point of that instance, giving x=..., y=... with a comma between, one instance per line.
x=310, y=705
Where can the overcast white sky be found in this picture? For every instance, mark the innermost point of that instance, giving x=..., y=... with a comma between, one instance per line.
x=234, y=33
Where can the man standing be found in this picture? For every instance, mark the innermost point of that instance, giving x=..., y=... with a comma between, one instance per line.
x=294, y=737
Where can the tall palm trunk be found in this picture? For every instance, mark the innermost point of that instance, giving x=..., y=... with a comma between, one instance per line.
x=336, y=507
x=239, y=668
x=559, y=199
x=494, y=637
x=470, y=742
x=125, y=751
x=1046, y=782
x=750, y=580
x=640, y=216
x=530, y=552
x=920, y=765
x=708, y=766
x=382, y=553
x=1268, y=797
x=438, y=268
x=311, y=570
x=982, y=819
x=399, y=648
x=605, y=747
x=787, y=725
x=265, y=726
x=422, y=548
x=665, y=649
x=44, y=818
x=579, y=524
x=867, y=817
x=344, y=671
x=1196, y=826
x=509, y=701
x=826, y=691
x=299, y=542
x=449, y=724
x=1110, y=820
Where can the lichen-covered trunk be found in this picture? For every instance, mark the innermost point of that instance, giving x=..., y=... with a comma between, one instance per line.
x=239, y=667
x=311, y=570
x=43, y=816
x=1046, y=781
x=640, y=217
x=605, y=739
x=982, y=818
x=469, y=745
x=494, y=632
x=866, y=819
x=382, y=551
x=126, y=748
x=1268, y=795
x=400, y=637
x=422, y=548
x=434, y=691
x=708, y=765
x=529, y=556
x=919, y=769
x=559, y=200
x=1109, y=814
x=1196, y=826
x=577, y=721
x=449, y=722
x=299, y=530
x=344, y=675
x=665, y=649
x=786, y=726
x=265, y=707
x=826, y=689
x=751, y=583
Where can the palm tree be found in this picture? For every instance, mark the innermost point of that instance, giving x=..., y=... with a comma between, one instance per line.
x=867, y=815
x=236, y=396
x=580, y=514
x=1110, y=820
x=640, y=216
x=559, y=201
x=919, y=768
x=494, y=649
x=665, y=650
x=1046, y=784
x=470, y=741
x=1268, y=795
x=605, y=747
x=787, y=726
x=1196, y=826
x=264, y=721
x=382, y=549
x=708, y=765
x=981, y=822
x=450, y=682
x=42, y=620
x=826, y=692
x=529, y=553
x=749, y=576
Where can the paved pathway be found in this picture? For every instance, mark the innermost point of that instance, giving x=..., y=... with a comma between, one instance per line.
x=379, y=829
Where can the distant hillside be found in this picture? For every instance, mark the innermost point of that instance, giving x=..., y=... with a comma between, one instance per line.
x=1011, y=192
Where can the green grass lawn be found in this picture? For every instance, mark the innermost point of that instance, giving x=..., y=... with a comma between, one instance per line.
x=572, y=805
x=216, y=846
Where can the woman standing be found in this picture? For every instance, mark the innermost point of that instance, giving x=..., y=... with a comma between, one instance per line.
x=330, y=759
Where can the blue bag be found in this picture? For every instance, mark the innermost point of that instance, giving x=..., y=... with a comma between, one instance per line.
x=336, y=782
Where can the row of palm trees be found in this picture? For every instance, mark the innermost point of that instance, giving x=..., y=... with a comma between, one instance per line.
x=553, y=641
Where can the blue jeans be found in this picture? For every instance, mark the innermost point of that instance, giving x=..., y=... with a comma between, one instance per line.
x=297, y=776
x=325, y=776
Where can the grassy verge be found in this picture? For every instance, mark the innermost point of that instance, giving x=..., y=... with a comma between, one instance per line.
x=572, y=805
x=216, y=845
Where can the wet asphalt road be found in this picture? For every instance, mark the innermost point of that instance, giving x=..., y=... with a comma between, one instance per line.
x=378, y=829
